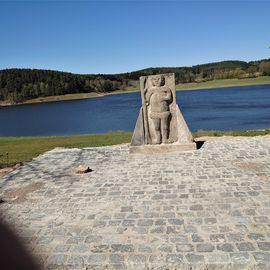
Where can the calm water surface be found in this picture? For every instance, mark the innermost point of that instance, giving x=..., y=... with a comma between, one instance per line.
x=235, y=108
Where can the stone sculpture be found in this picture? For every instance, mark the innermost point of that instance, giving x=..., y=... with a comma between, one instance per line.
x=158, y=98
x=160, y=125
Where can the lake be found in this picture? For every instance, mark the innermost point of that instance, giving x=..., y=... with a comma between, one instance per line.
x=234, y=108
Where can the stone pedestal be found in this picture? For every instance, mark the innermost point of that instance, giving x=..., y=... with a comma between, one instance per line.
x=162, y=148
x=160, y=126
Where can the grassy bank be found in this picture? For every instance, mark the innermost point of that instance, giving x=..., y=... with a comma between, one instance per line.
x=218, y=133
x=186, y=86
x=224, y=83
x=14, y=150
x=21, y=149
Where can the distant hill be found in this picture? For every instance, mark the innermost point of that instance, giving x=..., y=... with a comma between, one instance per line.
x=18, y=85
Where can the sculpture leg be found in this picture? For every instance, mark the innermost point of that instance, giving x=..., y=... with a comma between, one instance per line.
x=156, y=136
x=165, y=129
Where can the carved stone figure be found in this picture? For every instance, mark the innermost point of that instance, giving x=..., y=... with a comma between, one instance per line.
x=160, y=122
x=158, y=98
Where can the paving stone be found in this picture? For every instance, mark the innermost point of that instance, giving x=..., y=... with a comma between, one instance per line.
x=179, y=238
x=235, y=237
x=140, y=230
x=205, y=247
x=240, y=258
x=225, y=247
x=197, y=238
x=75, y=261
x=114, y=222
x=174, y=259
x=184, y=248
x=167, y=215
x=96, y=259
x=122, y=248
x=99, y=224
x=195, y=258
x=190, y=229
x=209, y=229
x=136, y=259
x=100, y=248
x=261, y=219
x=128, y=223
x=218, y=258
x=166, y=248
x=245, y=246
x=93, y=239
x=208, y=208
x=116, y=259
x=145, y=222
x=160, y=222
x=144, y=249
x=256, y=236
x=159, y=230
x=174, y=230
x=82, y=248
x=151, y=215
x=175, y=221
x=62, y=248
x=210, y=221
x=196, y=207
x=264, y=246
x=127, y=209
x=262, y=257
x=217, y=238
x=57, y=259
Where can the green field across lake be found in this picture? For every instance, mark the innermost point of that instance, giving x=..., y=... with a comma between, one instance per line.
x=224, y=83
x=14, y=150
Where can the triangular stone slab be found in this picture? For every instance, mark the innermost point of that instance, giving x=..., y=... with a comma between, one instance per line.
x=160, y=125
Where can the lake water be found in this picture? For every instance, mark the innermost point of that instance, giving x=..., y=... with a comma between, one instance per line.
x=234, y=108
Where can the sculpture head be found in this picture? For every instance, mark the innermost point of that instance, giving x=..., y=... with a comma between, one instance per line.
x=158, y=81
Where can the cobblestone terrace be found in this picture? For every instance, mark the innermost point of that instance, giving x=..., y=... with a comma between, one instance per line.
x=207, y=209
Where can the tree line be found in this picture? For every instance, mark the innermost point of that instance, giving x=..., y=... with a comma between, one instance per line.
x=18, y=85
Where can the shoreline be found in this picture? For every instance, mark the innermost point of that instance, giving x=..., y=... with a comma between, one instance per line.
x=20, y=149
x=264, y=80
x=4, y=170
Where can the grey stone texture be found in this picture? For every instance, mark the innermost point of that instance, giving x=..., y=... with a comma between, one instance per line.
x=207, y=209
x=160, y=126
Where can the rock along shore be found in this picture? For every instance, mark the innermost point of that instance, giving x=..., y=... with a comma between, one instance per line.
x=207, y=209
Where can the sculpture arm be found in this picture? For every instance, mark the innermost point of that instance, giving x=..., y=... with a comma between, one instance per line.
x=168, y=95
x=148, y=95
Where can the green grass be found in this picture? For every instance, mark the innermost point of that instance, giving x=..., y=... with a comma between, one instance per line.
x=22, y=149
x=217, y=133
x=224, y=83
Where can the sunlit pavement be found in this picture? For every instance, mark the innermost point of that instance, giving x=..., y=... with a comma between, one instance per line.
x=205, y=209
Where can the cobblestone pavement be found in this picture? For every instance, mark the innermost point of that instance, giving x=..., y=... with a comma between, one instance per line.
x=207, y=209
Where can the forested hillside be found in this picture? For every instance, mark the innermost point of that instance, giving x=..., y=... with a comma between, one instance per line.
x=18, y=85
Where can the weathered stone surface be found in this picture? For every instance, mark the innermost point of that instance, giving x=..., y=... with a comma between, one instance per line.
x=164, y=148
x=160, y=120
x=163, y=211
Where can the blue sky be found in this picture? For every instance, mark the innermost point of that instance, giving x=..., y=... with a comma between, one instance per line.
x=121, y=36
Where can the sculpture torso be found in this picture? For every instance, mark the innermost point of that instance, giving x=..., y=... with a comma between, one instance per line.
x=160, y=99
